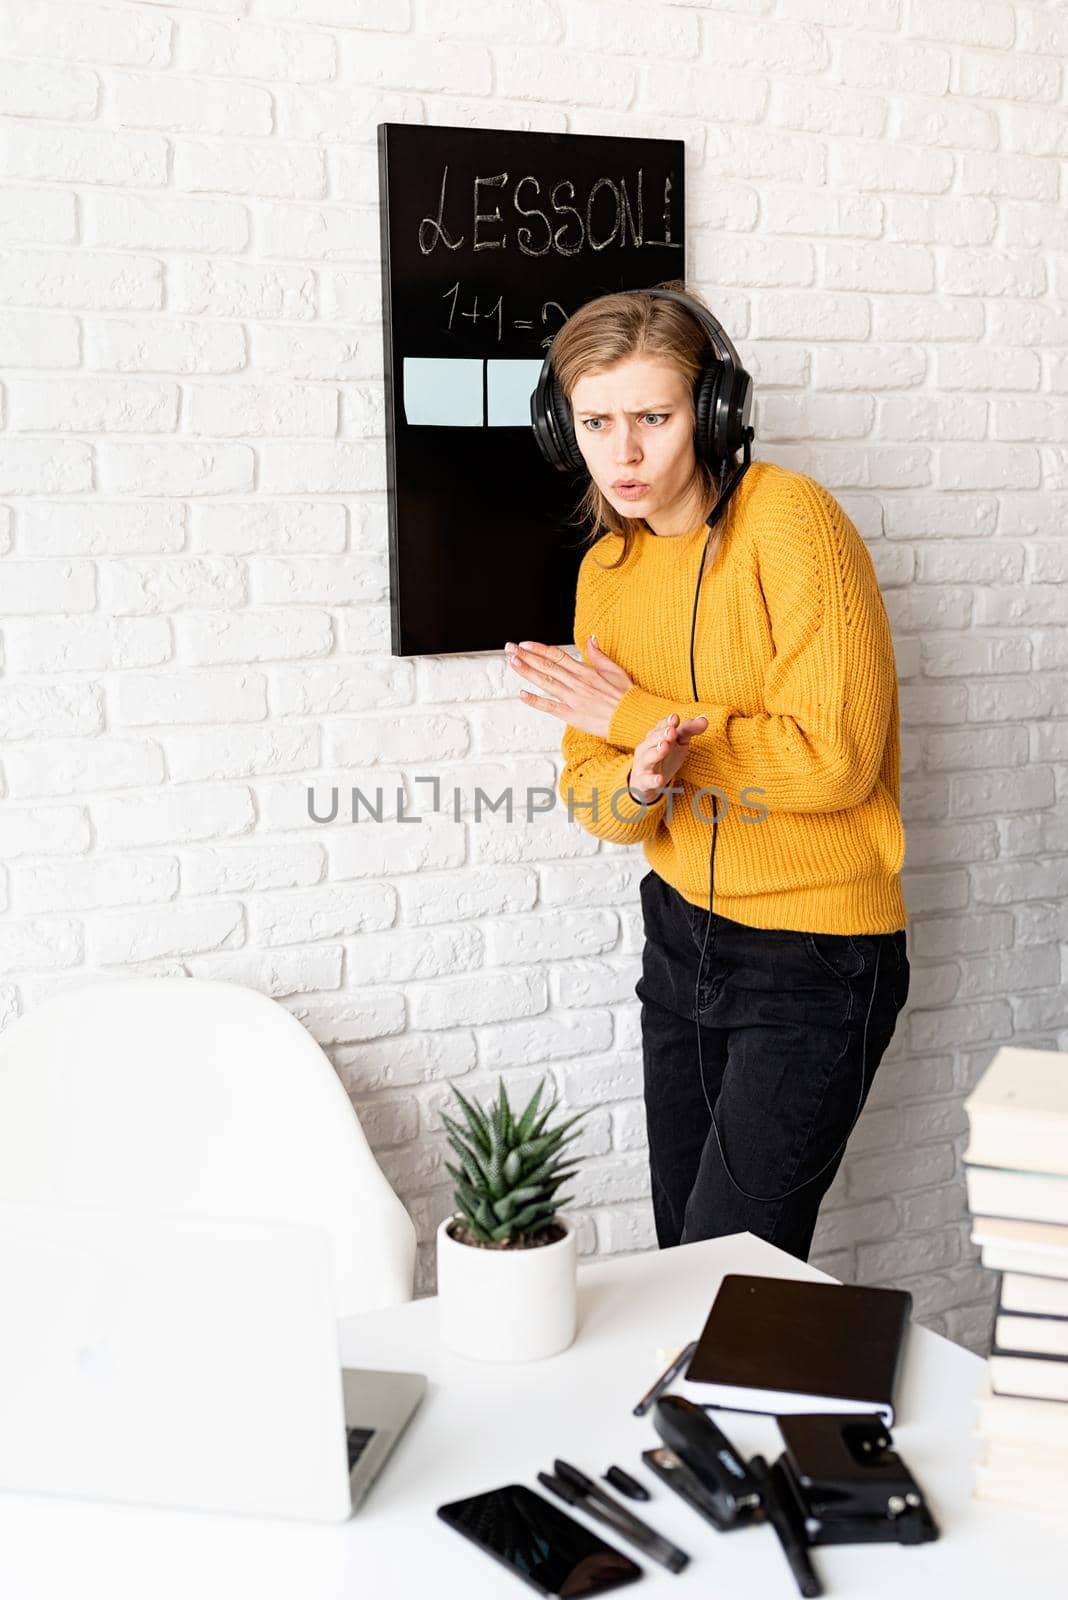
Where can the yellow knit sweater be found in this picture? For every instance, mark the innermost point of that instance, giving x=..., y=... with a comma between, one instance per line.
x=795, y=665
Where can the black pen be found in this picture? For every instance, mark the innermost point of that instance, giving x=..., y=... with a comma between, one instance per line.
x=793, y=1546
x=667, y=1376
x=576, y=1489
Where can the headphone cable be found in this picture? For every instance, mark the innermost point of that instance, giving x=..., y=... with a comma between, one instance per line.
x=766, y=1199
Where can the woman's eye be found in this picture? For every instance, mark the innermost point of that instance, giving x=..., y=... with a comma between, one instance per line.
x=589, y=421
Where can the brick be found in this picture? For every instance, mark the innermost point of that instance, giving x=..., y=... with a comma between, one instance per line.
x=165, y=931
x=624, y=1229
x=44, y=466
x=52, y=710
x=29, y=340
x=46, y=218
x=86, y=885
x=253, y=636
x=408, y=1059
x=823, y=108
x=257, y=410
x=55, y=767
x=242, y=289
x=277, y=973
x=477, y=892
x=236, y=528
x=268, y=864
x=76, y=281
x=35, y=587
x=1020, y=177
x=628, y=30
x=318, y=232
x=351, y=1016
x=97, y=528
x=1006, y=76
x=199, y=754
x=38, y=944
x=225, y=167
x=188, y=105
x=87, y=33
x=312, y=468
x=533, y=937
x=175, y=468
x=83, y=155
x=153, y=699
x=170, y=818
x=143, y=587
x=244, y=50
x=975, y=466
x=136, y=223
x=92, y=406
x=592, y=982
x=325, y=687
x=36, y=89
x=370, y=849
x=885, y=64
x=329, y=911
x=43, y=831
x=547, y=1038
x=400, y=956
x=337, y=351
x=168, y=345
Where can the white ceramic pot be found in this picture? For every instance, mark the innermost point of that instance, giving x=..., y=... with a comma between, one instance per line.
x=507, y=1305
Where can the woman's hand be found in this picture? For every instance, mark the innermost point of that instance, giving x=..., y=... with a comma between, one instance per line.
x=661, y=753
x=584, y=695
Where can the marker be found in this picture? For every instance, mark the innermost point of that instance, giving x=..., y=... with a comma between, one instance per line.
x=667, y=1376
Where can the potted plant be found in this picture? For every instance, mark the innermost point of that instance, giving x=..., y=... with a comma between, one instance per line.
x=506, y=1258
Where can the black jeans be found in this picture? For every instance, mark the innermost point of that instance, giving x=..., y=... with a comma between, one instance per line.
x=793, y=1026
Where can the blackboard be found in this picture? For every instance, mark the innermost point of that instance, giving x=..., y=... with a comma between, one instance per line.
x=490, y=239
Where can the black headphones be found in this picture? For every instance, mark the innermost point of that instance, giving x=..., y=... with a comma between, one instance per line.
x=722, y=397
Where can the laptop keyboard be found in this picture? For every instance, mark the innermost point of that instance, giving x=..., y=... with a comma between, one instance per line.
x=358, y=1439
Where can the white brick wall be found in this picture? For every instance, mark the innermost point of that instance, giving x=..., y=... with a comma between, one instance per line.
x=194, y=580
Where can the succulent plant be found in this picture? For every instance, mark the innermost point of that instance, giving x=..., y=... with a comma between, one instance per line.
x=509, y=1168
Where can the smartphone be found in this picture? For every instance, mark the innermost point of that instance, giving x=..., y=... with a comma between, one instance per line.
x=539, y=1542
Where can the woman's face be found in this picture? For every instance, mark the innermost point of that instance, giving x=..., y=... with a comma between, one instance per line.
x=634, y=427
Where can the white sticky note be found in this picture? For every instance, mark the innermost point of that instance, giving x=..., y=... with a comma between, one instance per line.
x=509, y=386
x=443, y=392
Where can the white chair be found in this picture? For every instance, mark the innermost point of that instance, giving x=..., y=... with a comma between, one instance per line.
x=190, y=1096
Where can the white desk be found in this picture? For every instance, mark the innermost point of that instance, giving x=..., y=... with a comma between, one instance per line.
x=484, y=1425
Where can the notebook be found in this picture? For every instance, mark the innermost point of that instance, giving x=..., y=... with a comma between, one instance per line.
x=782, y=1346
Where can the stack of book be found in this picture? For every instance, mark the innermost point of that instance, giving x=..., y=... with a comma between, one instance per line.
x=1016, y=1169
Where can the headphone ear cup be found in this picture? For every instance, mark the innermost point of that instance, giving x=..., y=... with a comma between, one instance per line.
x=564, y=426
x=706, y=407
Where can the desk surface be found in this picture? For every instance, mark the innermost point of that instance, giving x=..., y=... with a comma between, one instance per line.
x=483, y=1425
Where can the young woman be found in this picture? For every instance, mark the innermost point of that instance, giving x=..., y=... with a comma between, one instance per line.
x=768, y=1003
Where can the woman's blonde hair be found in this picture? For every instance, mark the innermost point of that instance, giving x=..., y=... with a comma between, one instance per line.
x=607, y=330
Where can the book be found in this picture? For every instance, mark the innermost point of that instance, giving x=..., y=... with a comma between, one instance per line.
x=1018, y=1112
x=1040, y=1377
x=1040, y=1425
x=1035, y=1196
x=782, y=1346
x=1045, y=1497
x=1010, y=1244
x=1022, y=1463
x=1022, y=1292
x=1030, y=1333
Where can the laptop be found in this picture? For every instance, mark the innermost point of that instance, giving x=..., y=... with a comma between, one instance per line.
x=186, y=1362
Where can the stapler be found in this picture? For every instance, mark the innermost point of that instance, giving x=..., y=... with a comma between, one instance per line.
x=699, y=1462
